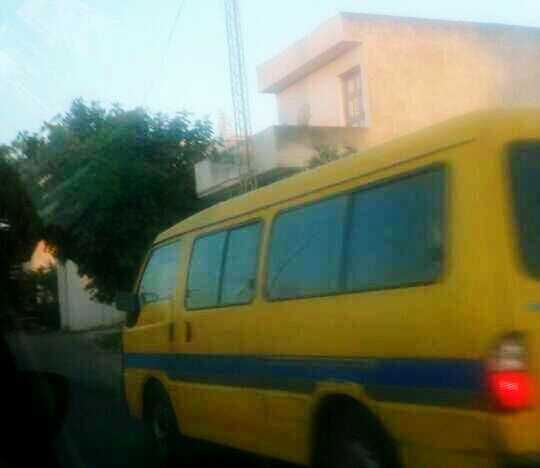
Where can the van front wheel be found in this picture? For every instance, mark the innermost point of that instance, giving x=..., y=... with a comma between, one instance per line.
x=168, y=442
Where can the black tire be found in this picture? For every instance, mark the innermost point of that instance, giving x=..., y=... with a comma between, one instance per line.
x=354, y=440
x=169, y=444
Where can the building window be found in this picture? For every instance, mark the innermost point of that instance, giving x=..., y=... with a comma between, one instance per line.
x=353, y=100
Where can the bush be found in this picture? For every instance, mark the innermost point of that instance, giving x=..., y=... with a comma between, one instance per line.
x=325, y=154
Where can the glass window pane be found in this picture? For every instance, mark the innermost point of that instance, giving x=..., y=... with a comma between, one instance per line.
x=306, y=250
x=355, y=108
x=357, y=82
x=205, y=270
x=240, y=265
x=352, y=95
x=395, y=236
x=159, y=278
x=352, y=108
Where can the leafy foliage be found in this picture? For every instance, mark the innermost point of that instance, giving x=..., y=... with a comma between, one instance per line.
x=325, y=154
x=40, y=297
x=19, y=224
x=19, y=232
x=106, y=181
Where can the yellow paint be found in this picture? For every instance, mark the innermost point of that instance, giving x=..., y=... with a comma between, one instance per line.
x=479, y=297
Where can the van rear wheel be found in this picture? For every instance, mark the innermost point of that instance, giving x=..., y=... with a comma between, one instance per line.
x=350, y=440
x=356, y=453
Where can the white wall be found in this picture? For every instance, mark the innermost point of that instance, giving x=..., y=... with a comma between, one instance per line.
x=77, y=310
x=320, y=94
x=419, y=73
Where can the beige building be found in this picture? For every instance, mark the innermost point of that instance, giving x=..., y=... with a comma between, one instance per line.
x=359, y=80
x=78, y=311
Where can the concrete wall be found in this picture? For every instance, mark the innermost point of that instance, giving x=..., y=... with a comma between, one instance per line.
x=319, y=94
x=419, y=73
x=415, y=72
x=77, y=310
x=214, y=175
x=276, y=147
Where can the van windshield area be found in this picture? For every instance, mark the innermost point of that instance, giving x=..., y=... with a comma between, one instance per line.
x=525, y=174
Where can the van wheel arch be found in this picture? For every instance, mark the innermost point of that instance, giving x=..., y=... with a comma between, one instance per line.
x=172, y=448
x=332, y=413
x=151, y=390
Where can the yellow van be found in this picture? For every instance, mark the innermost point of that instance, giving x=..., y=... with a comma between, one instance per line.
x=382, y=310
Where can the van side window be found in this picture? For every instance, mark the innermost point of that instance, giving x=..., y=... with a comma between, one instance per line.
x=381, y=237
x=160, y=275
x=395, y=235
x=239, y=274
x=306, y=250
x=205, y=271
x=223, y=268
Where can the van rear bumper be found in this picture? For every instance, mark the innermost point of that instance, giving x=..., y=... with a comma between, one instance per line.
x=522, y=461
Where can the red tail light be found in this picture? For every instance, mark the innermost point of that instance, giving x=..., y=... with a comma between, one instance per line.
x=511, y=390
x=509, y=381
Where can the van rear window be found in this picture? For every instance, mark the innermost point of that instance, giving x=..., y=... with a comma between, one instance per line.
x=525, y=175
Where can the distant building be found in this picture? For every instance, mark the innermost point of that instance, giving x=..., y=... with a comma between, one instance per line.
x=359, y=80
x=77, y=310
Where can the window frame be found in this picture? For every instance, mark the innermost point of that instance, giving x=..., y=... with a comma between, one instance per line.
x=361, y=119
x=445, y=210
x=253, y=221
x=149, y=254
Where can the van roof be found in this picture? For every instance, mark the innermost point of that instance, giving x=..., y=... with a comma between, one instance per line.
x=456, y=131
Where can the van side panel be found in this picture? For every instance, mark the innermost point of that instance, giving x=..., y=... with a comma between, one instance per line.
x=253, y=376
x=395, y=339
x=210, y=406
x=395, y=330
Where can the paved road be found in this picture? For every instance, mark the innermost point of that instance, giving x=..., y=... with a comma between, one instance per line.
x=98, y=430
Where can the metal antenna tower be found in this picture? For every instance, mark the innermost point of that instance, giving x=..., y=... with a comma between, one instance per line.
x=237, y=72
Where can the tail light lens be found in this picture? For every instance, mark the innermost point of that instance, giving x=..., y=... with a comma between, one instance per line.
x=509, y=381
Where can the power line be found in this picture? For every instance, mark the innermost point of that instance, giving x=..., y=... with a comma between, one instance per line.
x=165, y=50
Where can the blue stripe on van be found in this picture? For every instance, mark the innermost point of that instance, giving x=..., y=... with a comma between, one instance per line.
x=434, y=381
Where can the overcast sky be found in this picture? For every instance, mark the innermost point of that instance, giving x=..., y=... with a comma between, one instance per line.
x=52, y=51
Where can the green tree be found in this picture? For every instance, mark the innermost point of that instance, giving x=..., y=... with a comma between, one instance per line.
x=20, y=230
x=106, y=181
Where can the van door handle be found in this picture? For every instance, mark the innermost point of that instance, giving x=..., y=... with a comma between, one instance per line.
x=171, y=331
x=189, y=331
